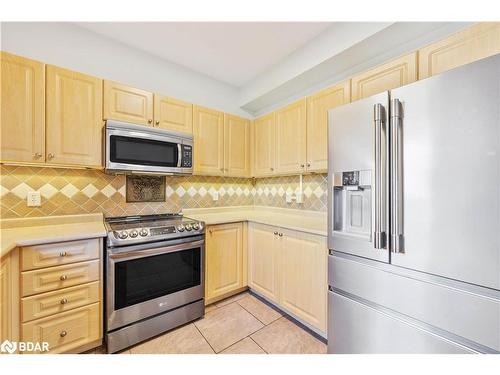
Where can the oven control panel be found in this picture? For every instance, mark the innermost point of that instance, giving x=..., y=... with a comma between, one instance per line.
x=161, y=230
x=187, y=156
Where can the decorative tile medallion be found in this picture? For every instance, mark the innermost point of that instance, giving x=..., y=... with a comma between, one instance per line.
x=145, y=189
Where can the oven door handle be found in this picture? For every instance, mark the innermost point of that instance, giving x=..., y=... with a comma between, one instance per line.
x=155, y=251
x=179, y=155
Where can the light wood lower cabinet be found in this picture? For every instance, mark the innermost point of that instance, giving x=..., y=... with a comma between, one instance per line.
x=290, y=269
x=474, y=43
x=66, y=331
x=226, y=264
x=9, y=296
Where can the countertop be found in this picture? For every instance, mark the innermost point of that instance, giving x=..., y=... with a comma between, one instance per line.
x=36, y=231
x=301, y=220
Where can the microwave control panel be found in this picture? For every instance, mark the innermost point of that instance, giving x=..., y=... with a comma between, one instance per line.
x=187, y=156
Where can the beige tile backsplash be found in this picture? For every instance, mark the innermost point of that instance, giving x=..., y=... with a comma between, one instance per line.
x=74, y=191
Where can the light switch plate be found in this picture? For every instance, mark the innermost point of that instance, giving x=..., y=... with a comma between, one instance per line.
x=33, y=199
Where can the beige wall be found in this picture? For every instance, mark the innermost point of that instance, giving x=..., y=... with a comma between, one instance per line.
x=73, y=191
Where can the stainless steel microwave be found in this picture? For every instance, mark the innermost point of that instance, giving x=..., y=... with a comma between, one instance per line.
x=137, y=149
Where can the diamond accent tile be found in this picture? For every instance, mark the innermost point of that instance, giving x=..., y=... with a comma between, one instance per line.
x=180, y=191
x=108, y=190
x=169, y=191
x=202, y=191
x=191, y=191
x=21, y=190
x=69, y=190
x=90, y=190
x=3, y=191
x=318, y=192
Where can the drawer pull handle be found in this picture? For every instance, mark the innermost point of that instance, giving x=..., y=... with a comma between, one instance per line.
x=63, y=277
x=63, y=333
x=64, y=301
x=63, y=253
x=281, y=234
x=275, y=233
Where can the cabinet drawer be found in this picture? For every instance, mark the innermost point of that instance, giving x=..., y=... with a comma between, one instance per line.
x=45, y=280
x=67, y=330
x=55, y=254
x=50, y=303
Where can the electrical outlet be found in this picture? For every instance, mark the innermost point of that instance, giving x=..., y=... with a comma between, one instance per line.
x=298, y=198
x=33, y=199
x=215, y=196
x=289, y=198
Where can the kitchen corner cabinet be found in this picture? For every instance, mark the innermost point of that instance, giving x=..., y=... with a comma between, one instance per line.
x=474, y=43
x=263, y=145
x=73, y=118
x=173, y=114
x=9, y=296
x=291, y=138
x=23, y=109
x=388, y=76
x=225, y=260
x=290, y=269
x=208, y=136
x=236, y=146
x=317, y=123
x=129, y=104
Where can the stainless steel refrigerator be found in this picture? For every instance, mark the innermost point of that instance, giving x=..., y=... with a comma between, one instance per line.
x=414, y=217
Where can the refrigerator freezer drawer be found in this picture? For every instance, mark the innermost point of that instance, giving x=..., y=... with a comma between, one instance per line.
x=357, y=328
x=470, y=313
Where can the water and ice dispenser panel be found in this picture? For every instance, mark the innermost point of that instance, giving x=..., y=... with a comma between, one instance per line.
x=352, y=202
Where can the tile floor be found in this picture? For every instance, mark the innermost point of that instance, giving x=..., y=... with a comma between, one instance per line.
x=241, y=324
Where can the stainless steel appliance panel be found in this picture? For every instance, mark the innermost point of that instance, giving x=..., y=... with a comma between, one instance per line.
x=470, y=312
x=357, y=328
x=357, y=146
x=450, y=211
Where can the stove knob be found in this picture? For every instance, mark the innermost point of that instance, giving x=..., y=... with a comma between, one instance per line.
x=143, y=232
x=180, y=228
x=123, y=234
x=133, y=233
x=196, y=226
x=189, y=227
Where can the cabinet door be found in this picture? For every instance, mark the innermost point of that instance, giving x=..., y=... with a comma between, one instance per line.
x=208, y=134
x=388, y=76
x=263, y=260
x=9, y=296
x=317, y=123
x=23, y=109
x=304, y=276
x=474, y=43
x=224, y=259
x=236, y=146
x=264, y=152
x=173, y=114
x=124, y=103
x=291, y=138
x=74, y=118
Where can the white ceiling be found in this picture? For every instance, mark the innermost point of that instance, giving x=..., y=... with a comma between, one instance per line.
x=234, y=53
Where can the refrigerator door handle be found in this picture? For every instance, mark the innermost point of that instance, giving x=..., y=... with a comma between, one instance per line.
x=396, y=176
x=379, y=117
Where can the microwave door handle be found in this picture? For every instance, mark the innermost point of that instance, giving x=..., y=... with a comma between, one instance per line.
x=397, y=235
x=379, y=116
x=179, y=155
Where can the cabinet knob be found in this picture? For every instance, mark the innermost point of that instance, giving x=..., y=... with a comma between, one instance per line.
x=63, y=277
x=210, y=231
x=50, y=155
x=308, y=164
x=150, y=121
x=157, y=122
x=271, y=169
x=302, y=166
x=38, y=155
x=64, y=301
x=63, y=333
x=275, y=233
x=63, y=253
x=280, y=234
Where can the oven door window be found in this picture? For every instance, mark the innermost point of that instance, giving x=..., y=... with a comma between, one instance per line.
x=143, y=279
x=139, y=151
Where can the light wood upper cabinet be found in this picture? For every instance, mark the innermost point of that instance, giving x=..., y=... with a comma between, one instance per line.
x=388, y=76
x=236, y=146
x=208, y=134
x=317, y=123
x=263, y=260
x=74, y=118
x=173, y=114
x=291, y=138
x=303, y=289
x=129, y=104
x=263, y=145
x=225, y=261
x=23, y=109
x=474, y=43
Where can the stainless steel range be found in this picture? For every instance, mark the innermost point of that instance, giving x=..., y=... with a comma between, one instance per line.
x=154, y=276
